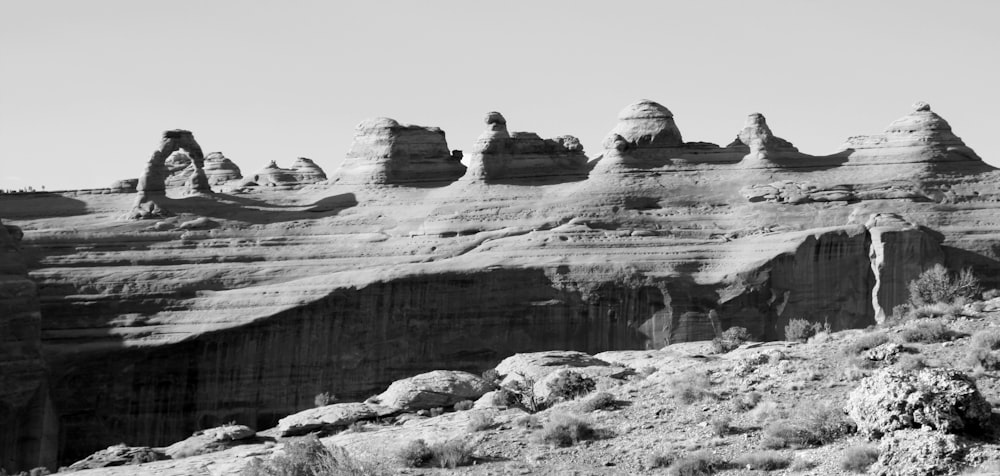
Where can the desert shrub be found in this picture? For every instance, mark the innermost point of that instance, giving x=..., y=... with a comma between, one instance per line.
x=986, y=339
x=911, y=362
x=700, y=463
x=746, y=401
x=308, y=457
x=720, y=425
x=801, y=330
x=464, y=405
x=937, y=285
x=451, y=453
x=765, y=412
x=598, y=401
x=523, y=391
x=527, y=421
x=937, y=310
x=799, y=465
x=982, y=359
x=480, y=421
x=763, y=461
x=568, y=385
x=926, y=331
x=492, y=376
x=659, y=460
x=858, y=458
x=324, y=399
x=414, y=454
x=810, y=423
x=564, y=429
x=690, y=387
x=730, y=339
x=865, y=342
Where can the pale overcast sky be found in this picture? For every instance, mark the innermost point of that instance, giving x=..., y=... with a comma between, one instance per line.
x=86, y=87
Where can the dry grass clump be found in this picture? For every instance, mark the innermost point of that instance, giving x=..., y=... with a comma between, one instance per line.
x=865, y=342
x=700, y=463
x=766, y=411
x=858, y=458
x=308, y=456
x=690, y=387
x=721, y=425
x=445, y=454
x=925, y=331
x=564, y=429
x=763, y=461
x=811, y=423
x=480, y=421
x=598, y=401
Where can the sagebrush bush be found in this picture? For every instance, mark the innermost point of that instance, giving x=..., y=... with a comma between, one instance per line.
x=925, y=331
x=720, y=425
x=858, y=458
x=810, y=423
x=746, y=401
x=865, y=342
x=451, y=453
x=937, y=285
x=414, y=454
x=480, y=421
x=986, y=339
x=659, y=460
x=730, y=339
x=598, y=401
x=564, y=429
x=981, y=359
x=568, y=385
x=701, y=463
x=763, y=461
x=307, y=456
x=937, y=310
x=464, y=405
x=690, y=387
x=801, y=330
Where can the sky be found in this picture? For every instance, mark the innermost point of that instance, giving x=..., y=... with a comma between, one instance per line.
x=86, y=87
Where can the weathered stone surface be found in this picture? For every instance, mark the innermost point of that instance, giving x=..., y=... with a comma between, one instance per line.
x=439, y=388
x=500, y=155
x=933, y=399
x=536, y=365
x=918, y=453
x=386, y=152
x=118, y=455
x=326, y=418
x=210, y=440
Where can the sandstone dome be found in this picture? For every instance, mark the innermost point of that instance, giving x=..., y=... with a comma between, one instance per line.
x=648, y=124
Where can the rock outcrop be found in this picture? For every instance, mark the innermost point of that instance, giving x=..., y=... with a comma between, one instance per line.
x=918, y=453
x=210, y=440
x=931, y=399
x=765, y=148
x=118, y=455
x=900, y=251
x=152, y=186
x=328, y=418
x=502, y=155
x=440, y=388
x=25, y=409
x=919, y=137
x=303, y=171
x=387, y=152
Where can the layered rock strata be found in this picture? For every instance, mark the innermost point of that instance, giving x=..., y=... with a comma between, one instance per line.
x=152, y=184
x=501, y=155
x=386, y=152
x=919, y=137
x=218, y=169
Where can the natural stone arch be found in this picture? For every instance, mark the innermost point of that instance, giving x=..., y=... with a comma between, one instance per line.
x=152, y=183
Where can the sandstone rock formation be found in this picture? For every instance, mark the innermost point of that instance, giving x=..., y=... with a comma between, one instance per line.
x=536, y=365
x=152, y=184
x=500, y=155
x=439, y=388
x=900, y=251
x=210, y=440
x=217, y=169
x=765, y=147
x=303, y=171
x=25, y=409
x=118, y=455
x=328, y=418
x=934, y=399
x=386, y=152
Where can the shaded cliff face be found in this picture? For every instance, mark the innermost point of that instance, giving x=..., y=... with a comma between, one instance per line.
x=350, y=343
x=24, y=405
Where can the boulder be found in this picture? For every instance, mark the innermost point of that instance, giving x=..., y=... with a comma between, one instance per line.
x=439, y=388
x=536, y=365
x=934, y=399
x=385, y=152
x=210, y=441
x=918, y=453
x=327, y=418
x=118, y=455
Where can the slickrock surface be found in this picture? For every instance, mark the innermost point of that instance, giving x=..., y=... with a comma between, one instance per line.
x=385, y=151
x=152, y=330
